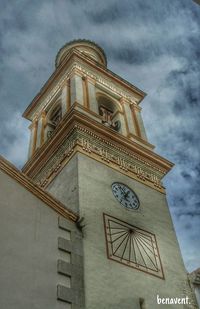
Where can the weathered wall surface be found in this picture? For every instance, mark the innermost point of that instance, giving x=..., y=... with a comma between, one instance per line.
x=65, y=186
x=86, y=183
x=109, y=284
x=41, y=255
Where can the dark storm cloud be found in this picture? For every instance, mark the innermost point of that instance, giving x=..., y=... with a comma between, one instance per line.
x=130, y=54
x=155, y=46
x=191, y=213
x=106, y=14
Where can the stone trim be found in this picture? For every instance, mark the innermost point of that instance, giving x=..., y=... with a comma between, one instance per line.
x=65, y=294
x=82, y=140
x=126, y=89
x=64, y=244
x=75, y=294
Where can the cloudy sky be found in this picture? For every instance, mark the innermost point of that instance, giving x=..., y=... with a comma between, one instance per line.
x=153, y=44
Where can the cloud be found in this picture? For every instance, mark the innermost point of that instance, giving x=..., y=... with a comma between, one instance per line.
x=14, y=141
x=154, y=46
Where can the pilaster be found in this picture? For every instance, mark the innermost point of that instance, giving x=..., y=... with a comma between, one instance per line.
x=68, y=94
x=64, y=99
x=130, y=128
x=85, y=92
x=77, y=90
x=43, y=120
x=92, y=96
x=33, y=137
x=39, y=132
x=136, y=112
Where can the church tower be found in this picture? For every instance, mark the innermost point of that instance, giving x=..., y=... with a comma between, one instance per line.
x=89, y=149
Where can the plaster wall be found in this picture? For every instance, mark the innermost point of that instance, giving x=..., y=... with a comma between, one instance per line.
x=109, y=284
x=29, y=235
x=65, y=186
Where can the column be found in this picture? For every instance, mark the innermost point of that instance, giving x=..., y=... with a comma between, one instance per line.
x=33, y=136
x=64, y=99
x=68, y=94
x=120, y=117
x=43, y=117
x=39, y=131
x=93, y=105
x=136, y=112
x=85, y=92
x=77, y=90
x=128, y=117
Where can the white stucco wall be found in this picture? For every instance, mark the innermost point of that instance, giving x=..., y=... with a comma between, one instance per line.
x=29, y=250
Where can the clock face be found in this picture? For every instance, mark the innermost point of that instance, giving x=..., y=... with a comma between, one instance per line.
x=125, y=196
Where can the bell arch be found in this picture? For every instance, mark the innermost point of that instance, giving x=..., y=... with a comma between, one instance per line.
x=53, y=118
x=111, y=112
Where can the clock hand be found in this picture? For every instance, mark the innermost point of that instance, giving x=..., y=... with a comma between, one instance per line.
x=126, y=194
x=122, y=190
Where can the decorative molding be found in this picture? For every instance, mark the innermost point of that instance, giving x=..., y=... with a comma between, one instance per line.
x=44, y=104
x=80, y=139
x=103, y=83
x=100, y=81
x=108, y=89
x=102, y=76
x=44, y=196
x=77, y=132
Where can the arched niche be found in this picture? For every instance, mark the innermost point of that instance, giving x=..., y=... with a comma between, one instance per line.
x=55, y=115
x=109, y=110
x=53, y=118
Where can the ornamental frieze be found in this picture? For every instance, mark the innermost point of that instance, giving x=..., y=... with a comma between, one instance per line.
x=103, y=81
x=92, y=145
x=46, y=101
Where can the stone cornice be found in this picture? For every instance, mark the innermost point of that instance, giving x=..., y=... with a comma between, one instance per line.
x=70, y=60
x=79, y=133
x=44, y=196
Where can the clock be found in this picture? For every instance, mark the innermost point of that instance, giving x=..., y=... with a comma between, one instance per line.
x=125, y=196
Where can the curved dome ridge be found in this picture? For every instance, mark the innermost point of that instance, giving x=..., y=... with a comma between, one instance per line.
x=87, y=47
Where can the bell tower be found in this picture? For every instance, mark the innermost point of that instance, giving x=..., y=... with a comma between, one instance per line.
x=88, y=147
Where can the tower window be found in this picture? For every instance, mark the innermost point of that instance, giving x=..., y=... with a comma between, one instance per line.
x=108, y=111
x=106, y=115
x=56, y=116
x=107, y=118
x=53, y=120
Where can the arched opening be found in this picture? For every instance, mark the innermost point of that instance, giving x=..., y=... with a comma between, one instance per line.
x=54, y=117
x=108, y=111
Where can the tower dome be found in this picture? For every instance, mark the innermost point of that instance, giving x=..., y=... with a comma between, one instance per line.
x=86, y=47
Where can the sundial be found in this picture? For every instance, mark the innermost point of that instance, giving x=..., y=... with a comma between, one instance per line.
x=132, y=246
